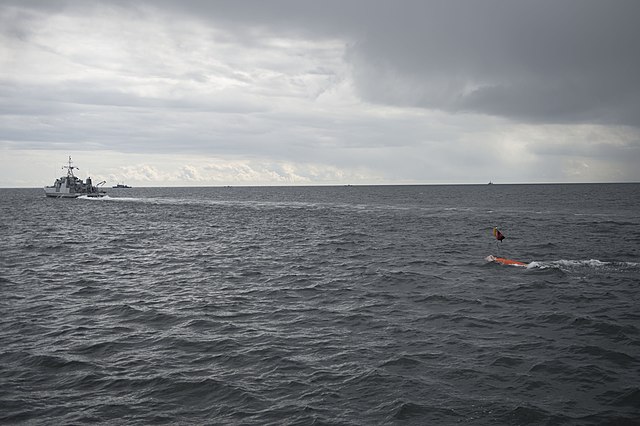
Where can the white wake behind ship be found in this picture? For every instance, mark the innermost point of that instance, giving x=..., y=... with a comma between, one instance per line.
x=70, y=186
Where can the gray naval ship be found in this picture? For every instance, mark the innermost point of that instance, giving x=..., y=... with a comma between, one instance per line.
x=70, y=186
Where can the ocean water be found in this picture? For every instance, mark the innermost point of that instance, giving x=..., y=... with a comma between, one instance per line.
x=321, y=305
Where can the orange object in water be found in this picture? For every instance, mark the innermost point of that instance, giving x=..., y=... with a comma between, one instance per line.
x=505, y=261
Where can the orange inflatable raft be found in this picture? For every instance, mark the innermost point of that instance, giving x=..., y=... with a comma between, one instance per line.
x=504, y=261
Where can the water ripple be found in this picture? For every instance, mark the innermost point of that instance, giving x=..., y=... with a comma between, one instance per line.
x=346, y=306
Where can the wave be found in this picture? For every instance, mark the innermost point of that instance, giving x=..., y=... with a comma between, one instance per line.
x=233, y=203
x=275, y=205
x=108, y=198
x=593, y=264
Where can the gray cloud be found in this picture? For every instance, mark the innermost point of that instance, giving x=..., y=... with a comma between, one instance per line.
x=550, y=61
x=546, y=61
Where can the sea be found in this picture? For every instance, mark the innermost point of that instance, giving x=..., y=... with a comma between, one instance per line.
x=328, y=305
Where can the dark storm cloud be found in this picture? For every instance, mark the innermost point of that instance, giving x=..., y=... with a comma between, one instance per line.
x=567, y=61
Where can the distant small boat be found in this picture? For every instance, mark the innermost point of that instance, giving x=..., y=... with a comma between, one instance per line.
x=70, y=186
x=490, y=183
x=121, y=185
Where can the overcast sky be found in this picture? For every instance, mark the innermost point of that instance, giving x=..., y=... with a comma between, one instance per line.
x=171, y=93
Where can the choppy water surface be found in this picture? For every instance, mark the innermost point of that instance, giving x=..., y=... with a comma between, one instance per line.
x=333, y=305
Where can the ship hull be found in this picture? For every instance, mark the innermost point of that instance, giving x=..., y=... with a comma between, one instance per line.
x=51, y=192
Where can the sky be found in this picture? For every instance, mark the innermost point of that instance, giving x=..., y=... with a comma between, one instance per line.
x=302, y=92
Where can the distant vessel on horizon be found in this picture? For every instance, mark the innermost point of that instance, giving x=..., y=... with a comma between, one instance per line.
x=490, y=183
x=121, y=185
x=70, y=186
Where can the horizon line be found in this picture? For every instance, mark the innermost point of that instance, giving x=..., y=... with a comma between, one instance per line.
x=352, y=185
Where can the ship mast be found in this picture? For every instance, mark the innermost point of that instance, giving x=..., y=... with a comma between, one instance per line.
x=70, y=168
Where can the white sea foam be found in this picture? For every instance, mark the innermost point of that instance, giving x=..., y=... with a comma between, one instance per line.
x=136, y=200
x=568, y=264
